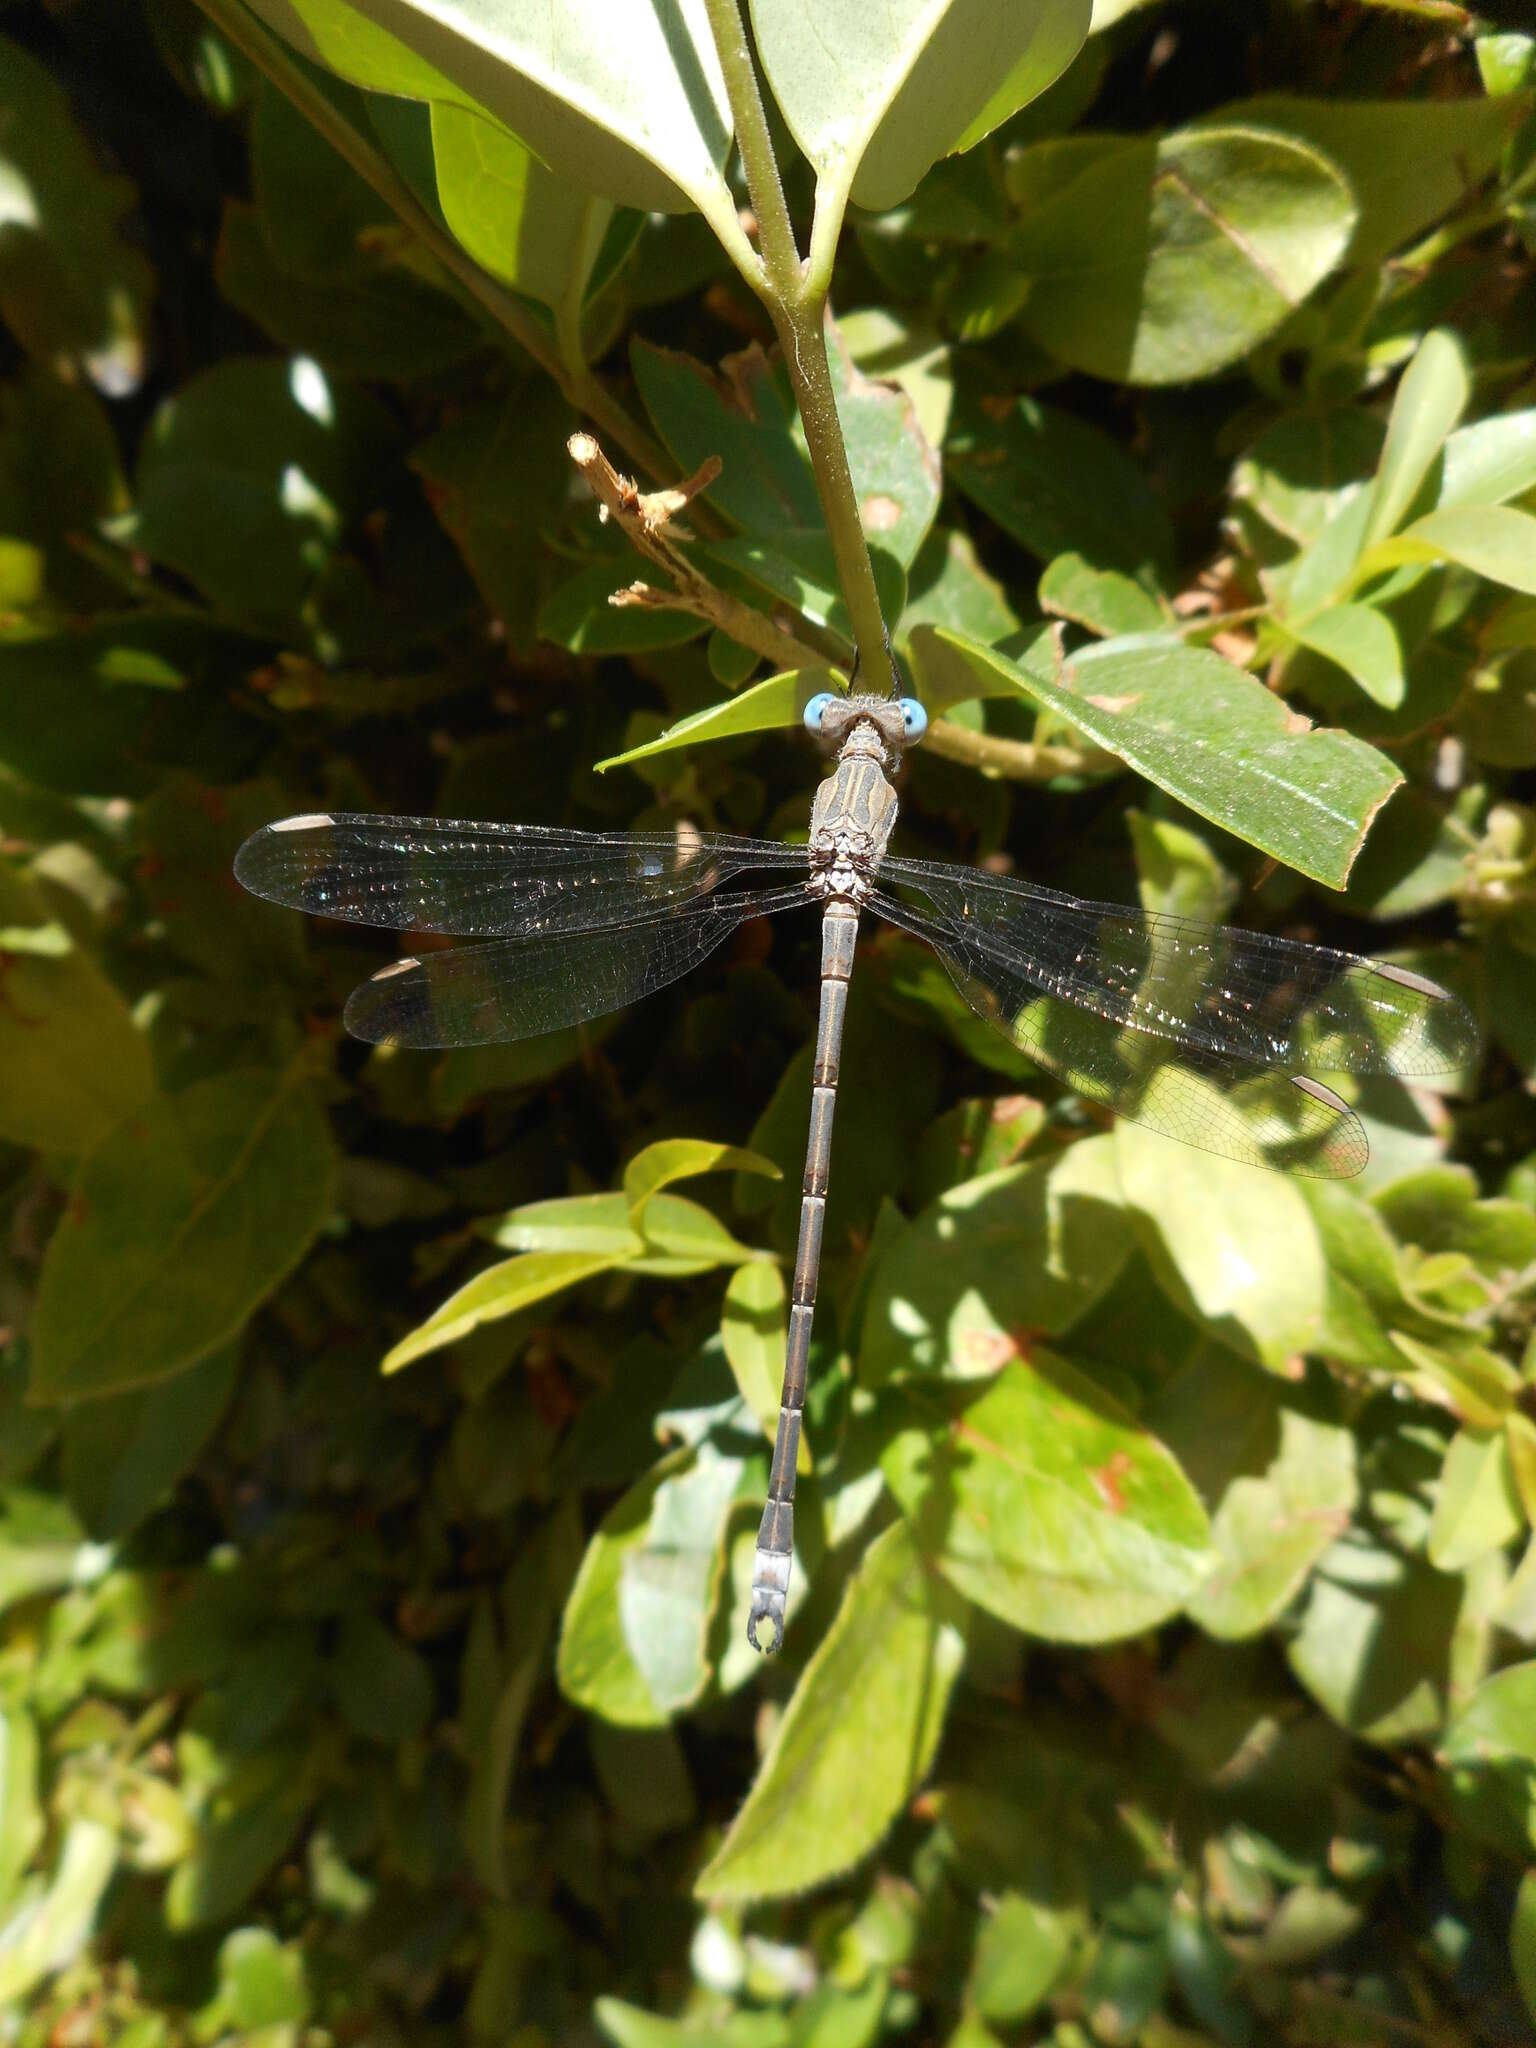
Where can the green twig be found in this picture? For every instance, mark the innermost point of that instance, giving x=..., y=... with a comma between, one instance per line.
x=1014, y=760
x=796, y=304
x=235, y=22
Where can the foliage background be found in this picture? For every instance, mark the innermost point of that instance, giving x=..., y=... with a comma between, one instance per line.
x=414, y=1707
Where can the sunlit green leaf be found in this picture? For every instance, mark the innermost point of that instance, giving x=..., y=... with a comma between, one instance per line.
x=994, y=1262
x=1044, y=1501
x=832, y=1782
x=1269, y=1530
x=1163, y=261
x=636, y=112
x=1212, y=736
x=873, y=96
x=499, y=1291
x=776, y=703
x=632, y=1644
x=1477, y=1506
x=1234, y=1245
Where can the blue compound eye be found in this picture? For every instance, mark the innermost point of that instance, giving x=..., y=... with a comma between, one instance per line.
x=914, y=719
x=814, y=709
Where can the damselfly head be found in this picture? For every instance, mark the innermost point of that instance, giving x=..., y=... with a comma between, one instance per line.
x=879, y=726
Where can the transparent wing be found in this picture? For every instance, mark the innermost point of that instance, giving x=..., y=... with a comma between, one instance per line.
x=1237, y=995
x=490, y=881
x=1275, y=1118
x=518, y=988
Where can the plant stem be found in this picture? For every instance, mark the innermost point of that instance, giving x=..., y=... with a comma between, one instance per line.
x=255, y=41
x=1014, y=760
x=797, y=306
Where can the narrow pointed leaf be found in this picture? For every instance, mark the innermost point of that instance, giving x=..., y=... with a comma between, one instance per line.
x=776, y=703
x=1431, y=397
x=674, y=1159
x=499, y=1291
x=1494, y=541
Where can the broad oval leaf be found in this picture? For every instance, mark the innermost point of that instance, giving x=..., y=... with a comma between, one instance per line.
x=1045, y=1502
x=623, y=97
x=1231, y=1245
x=1270, y=1529
x=74, y=1063
x=1477, y=1503
x=1364, y=645
x=632, y=1644
x=875, y=95
x=834, y=1779
x=994, y=1262
x=180, y=1222
x=1211, y=735
x=1491, y=1748
x=1162, y=261
x=538, y=232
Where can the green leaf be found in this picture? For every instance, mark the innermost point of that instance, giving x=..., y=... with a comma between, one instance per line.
x=534, y=230
x=1494, y=541
x=382, y=1687
x=74, y=1062
x=857, y=1737
x=1060, y=486
x=122, y=1455
x=181, y=1221
x=949, y=587
x=1212, y=736
x=753, y=1329
x=1362, y=642
x=52, y=1930
x=1046, y=1503
x=73, y=290
x=261, y=1981
x=1522, y=1937
x=1431, y=397
x=773, y=705
x=1235, y=1247
x=1101, y=599
x=248, y=479
x=1408, y=161
x=21, y=1811
x=1270, y=1530
x=569, y=1223
x=1477, y=1503
x=1490, y=1746
x=747, y=417
x=632, y=1643
x=874, y=96
x=674, y=1159
x=1374, y=1643
x=995, y=1261
x=499, y=1291
x=1021, y=1950
x=640, y=117
x=1161, y=261
x=381, y=323
x=582, y=617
